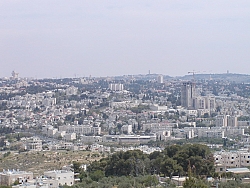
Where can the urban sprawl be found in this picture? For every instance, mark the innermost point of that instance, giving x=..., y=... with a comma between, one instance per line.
x=75, y=125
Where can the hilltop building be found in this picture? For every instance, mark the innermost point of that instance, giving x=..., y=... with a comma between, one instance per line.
x=160, y=79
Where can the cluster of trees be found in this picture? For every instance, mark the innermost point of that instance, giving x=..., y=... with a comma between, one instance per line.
x=79, y=117
x=174, y=160
x=136, y=169
x=233, y=183
x=119, y=182
x=197, y=140
x=140, y=108
x=244, y=118
x=6, y=130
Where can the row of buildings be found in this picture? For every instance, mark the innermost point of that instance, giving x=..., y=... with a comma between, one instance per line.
x=231, y=159
x=191, y=100
x=50, y=179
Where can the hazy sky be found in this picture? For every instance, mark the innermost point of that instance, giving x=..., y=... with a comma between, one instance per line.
x=64, y=38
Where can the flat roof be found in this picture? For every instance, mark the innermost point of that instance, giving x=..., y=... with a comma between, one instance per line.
x=238, y=170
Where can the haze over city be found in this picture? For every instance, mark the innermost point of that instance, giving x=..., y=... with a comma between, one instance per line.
x=124, y=94
x=107, y=38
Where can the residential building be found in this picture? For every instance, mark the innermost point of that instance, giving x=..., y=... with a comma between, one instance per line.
x=226, y=121
x=116, y=87
x=62, y=177
x=8, y=177
x=34, y=144
x=231, y=159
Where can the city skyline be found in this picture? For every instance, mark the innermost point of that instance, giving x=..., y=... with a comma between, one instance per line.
x=47, y=39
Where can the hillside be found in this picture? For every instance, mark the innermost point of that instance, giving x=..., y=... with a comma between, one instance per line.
x=38, y=162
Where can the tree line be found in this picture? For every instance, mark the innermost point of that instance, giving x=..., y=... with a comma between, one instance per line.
x=174, y=160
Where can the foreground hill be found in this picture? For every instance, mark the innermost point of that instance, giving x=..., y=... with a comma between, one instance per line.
x=38, y=162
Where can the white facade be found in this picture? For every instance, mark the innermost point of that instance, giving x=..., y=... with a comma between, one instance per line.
x=126, y=129
x=156, y=107
x=62, y=177
x=136, y=139
x=160, y=79
x=128, y=138
x=81, y=129
x=116, y=87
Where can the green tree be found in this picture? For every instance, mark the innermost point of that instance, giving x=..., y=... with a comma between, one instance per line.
x=97, y=175
x=192, y=182
x=170, y=167
x=76, y=166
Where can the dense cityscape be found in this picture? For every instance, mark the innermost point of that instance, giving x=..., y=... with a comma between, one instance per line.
x=125, y=131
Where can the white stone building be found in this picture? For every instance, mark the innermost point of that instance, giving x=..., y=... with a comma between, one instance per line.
x=62, y=177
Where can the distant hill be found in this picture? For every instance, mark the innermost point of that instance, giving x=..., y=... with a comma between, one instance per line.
x=244, y=78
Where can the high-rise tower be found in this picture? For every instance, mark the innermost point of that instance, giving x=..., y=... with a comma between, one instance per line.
x=160, y=79
x=187, y=94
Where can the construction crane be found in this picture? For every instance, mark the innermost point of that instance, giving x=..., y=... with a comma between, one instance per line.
x=193, y=72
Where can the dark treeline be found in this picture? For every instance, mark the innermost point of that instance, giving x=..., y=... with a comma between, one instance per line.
x=174, y=160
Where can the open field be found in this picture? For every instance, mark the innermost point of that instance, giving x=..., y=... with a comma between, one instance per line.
x=38, y=162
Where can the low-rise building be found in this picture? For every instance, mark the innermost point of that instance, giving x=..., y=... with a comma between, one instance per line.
x=231, y=159
x=9, y=177
x=34, y=144
x=60, y=177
